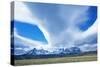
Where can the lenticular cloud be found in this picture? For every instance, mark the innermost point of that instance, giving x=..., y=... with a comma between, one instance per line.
x=68, y=36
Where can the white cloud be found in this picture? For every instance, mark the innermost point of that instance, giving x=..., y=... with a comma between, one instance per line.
x=73, y=15
x=70, y=33
x=67, y=38
x=19, y=51
x=24, y=49
x=88, y=47
x=23, y=13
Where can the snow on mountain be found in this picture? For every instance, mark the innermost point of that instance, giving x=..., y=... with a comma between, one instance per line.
x=73, y=50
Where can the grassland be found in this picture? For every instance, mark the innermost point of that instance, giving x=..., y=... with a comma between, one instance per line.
x=89, y=57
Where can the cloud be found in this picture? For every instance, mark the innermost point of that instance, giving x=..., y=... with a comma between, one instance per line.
x=23, y=13
x=20, y=51
x=74, y=14
x=88, y=47
x=68, y=33
x=71, y=33
x=62, y=37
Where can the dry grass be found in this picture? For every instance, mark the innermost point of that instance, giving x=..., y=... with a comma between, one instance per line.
x=57, y=60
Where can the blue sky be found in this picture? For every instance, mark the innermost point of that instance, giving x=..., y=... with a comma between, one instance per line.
x=29, y=31
x=61, y=22
x=92, y=16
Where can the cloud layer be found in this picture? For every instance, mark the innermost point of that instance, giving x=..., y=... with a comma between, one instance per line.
x=66, y=35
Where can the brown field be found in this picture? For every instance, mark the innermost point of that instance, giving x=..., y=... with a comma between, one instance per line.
x=90, y=57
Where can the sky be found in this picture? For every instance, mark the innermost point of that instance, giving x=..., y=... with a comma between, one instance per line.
x=29, y=31
x=55, y=25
